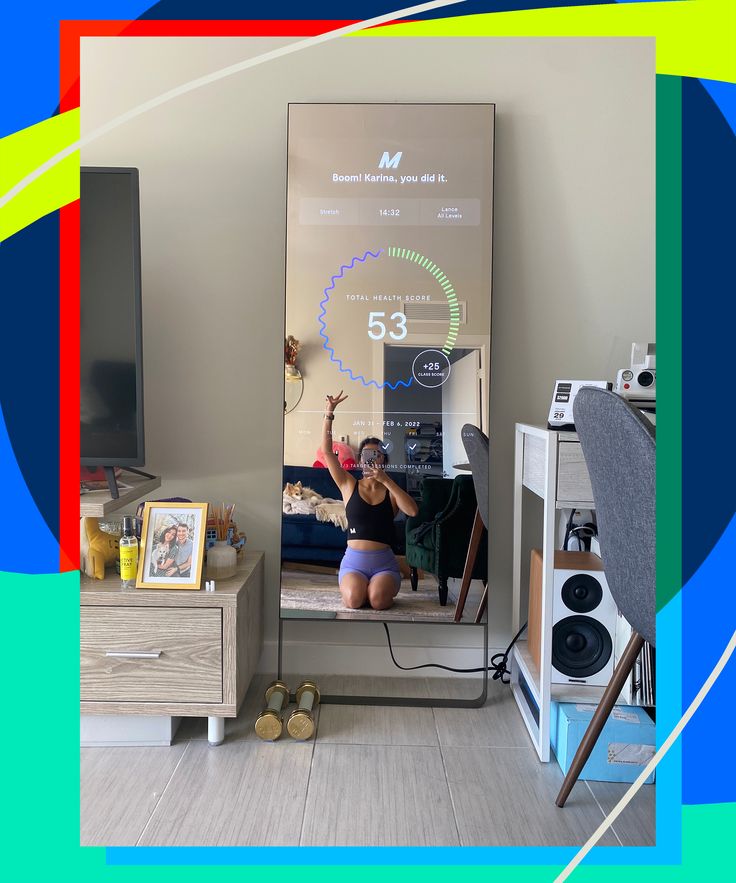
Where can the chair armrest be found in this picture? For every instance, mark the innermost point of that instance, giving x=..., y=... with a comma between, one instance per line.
x=436, y=493
x=461, y=498
x=458, y=517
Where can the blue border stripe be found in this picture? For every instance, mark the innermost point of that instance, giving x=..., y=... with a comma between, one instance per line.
x=724, y=96
x=708, y=491
x=334, y=9
x=29, y=393
x=29, y=54
x=447, y=856
x=710, y=775
x=708, y=313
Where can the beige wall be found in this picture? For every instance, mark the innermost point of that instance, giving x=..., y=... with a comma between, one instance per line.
x=573, y=255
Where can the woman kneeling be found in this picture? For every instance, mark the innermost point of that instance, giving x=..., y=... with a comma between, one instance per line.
x=369, y=570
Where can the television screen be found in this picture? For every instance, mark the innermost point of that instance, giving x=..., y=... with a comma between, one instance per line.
x=111, y=380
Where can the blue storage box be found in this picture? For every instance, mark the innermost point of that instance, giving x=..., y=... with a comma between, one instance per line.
x=623, y=749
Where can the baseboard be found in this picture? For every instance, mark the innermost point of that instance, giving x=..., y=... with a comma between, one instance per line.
x=309, y=657
x=118, y=730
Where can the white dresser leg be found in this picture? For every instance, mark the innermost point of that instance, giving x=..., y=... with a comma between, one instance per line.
x=216, y=730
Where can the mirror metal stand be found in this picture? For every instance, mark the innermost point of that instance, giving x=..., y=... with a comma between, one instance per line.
x=403, y=701
x=389, y=241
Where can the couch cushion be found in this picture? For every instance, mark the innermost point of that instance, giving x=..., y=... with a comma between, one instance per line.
x=305, y=530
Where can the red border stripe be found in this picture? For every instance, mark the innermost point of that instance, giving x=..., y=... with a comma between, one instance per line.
x=70, y=33
x=69, y=387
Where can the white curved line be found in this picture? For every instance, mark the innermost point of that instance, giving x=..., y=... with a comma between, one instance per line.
x=666, y=745
x=213, y=77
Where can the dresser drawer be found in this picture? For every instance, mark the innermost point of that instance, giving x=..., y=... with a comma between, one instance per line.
x=573, y=481
x=151, y=654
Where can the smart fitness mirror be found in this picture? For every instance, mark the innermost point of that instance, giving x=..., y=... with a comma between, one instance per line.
x=388, y=320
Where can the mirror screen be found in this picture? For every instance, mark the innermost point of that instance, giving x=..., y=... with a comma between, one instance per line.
x=387, y=348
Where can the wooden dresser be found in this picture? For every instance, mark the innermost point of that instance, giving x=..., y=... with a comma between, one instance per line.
x=178, y=653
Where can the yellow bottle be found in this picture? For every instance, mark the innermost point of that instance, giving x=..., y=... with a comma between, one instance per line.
x=128, y=553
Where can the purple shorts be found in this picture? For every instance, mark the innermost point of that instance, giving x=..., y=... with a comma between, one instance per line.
x=369, y=563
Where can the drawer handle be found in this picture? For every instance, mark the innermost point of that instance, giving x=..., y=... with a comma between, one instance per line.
x=134, y=654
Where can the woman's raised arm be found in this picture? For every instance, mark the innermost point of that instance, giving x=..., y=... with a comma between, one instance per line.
x=339, y=475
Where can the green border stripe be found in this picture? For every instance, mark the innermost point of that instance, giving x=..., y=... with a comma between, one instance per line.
x=669, y=337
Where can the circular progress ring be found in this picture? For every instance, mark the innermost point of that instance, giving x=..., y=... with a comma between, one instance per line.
x=399, y=253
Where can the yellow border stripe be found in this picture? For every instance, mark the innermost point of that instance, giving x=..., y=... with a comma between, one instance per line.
x=24, y=151
x=694, y=38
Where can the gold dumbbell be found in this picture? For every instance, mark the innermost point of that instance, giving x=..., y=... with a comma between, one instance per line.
x=269, y=723
x=301, y=721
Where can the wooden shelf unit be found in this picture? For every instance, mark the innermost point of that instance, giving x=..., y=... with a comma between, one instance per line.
x=168, y=652
x=98, y=504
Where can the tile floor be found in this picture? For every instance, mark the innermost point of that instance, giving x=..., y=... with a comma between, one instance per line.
x=374, y=775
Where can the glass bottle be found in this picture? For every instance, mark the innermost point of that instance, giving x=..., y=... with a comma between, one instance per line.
x=128, y=553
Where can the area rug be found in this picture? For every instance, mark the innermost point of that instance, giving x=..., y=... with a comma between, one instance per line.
x=317, y=593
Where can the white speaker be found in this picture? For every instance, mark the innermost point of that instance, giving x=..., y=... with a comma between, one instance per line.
x=584, y=618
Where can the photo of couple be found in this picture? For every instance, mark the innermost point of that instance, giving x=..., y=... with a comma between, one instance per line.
x=172, y=551
x=172, y=545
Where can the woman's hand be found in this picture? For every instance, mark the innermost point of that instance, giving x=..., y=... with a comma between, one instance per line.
x=377, y=473
x=334, y=401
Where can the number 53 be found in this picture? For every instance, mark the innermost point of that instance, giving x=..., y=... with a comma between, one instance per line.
x=380, y=333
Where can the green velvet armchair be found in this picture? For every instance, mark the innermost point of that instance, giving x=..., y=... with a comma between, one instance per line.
x=437, y=537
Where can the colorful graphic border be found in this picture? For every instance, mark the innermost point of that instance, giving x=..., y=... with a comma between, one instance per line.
x=38, y=444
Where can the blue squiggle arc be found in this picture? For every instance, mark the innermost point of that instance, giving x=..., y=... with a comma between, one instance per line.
x=323, y=333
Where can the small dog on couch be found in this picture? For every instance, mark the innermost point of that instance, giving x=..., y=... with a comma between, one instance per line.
x=301, y=500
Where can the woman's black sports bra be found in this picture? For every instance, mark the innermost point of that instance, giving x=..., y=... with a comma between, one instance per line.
x=370, y=522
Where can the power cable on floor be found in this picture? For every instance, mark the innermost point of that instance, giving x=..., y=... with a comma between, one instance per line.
x=500, y=669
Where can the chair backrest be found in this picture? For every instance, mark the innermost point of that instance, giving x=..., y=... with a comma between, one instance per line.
x=475, y=443
x=620, y=452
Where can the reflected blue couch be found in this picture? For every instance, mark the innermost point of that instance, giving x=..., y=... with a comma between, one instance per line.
x=305, y=540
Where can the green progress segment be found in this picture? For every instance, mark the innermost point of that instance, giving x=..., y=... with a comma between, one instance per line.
x=426, y=264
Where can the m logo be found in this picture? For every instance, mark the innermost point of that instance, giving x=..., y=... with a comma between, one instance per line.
x=390, y=162
x=352, y=530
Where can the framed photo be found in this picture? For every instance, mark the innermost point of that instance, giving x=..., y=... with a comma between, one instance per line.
x=172, y=546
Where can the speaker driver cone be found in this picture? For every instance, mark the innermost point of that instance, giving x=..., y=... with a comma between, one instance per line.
x=581, y=646
x=581, y=593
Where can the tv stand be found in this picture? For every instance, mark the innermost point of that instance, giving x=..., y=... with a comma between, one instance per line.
x=98, y=504
x=112, y=482
x=177, y=653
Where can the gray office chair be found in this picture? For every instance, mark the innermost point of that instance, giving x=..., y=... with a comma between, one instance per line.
x=476, y=447
x=619, y=447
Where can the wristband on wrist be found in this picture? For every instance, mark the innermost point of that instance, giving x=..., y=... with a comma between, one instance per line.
x=329, y=416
